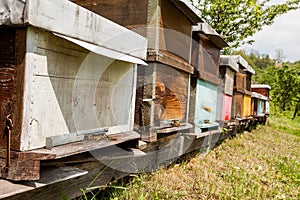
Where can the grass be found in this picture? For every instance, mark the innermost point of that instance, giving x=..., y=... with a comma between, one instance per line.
x=263, y=164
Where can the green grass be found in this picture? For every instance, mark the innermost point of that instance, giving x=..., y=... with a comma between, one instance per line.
x=286, y=124
x=263, y=164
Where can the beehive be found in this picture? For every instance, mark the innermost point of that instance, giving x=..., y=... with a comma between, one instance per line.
x=228, y=68
x=242, y=89
x=62, y=81
x=206, y=104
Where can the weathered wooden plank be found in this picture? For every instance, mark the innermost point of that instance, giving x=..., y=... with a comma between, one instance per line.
x=176, y=33
x=171, y=93
x=229, y=80
x=12, y=12
x=246, y=110
x=85, y=25
x=49, y=176
x=261, y=89
x=24, y=166
x=92, y=92
x=238, y=104
x=181, y=127
x=62, y=139
x=94, y=142
x=206, y=103
x=208, y=63
x=169, y=59
x=115, y=10
x=162, y=22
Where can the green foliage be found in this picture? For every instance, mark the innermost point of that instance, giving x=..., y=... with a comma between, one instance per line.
x=285, y=83
x=238, y=20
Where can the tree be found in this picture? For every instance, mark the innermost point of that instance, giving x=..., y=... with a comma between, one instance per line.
x=240, y=19
x=279, y=55
x=285, y=83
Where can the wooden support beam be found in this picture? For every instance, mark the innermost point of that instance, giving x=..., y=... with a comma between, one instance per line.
x=24, y=166
x=170, y=59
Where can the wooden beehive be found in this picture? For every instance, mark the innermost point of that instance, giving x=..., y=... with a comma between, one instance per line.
x=61, y=82
x=206, y=104
x=242, y=89
x=258, y=104
x=261, y=99
x=228, y=68
x=163, y=86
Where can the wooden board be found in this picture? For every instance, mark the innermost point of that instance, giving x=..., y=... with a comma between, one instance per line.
x=206, y=102
x=176, y=34
x=171, y=94
x=229, y=79
x=246, y=110
x=169, y=59
x=261, y=107
x=115, y=10
x=248, y=81
x=239, y=82
x=49, y=176
x=236, y=110
x=263, y=91
x=84, y=25
x=12, y=53
x=267, y=107
x=12, y=12
x=208, y=65
x=227, y=104
x=70, y=90
x=166, y=27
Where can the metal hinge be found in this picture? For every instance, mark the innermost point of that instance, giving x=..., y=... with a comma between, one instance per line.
x=8, y=129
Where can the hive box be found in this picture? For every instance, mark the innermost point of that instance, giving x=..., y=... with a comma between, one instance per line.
x=205, y=104
x=65, y=73
x=228, y=68
x=242, y=89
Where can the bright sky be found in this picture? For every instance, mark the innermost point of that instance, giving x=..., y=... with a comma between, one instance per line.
x=283, y=34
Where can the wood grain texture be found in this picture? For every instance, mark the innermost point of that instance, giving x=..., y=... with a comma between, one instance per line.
x=237, y=106
x=70, y=90
x=206, y=103
x=12, y=12
x=166, y=27
x=229, y=79
x=84, y=25
x=263, y=91
x=170, y=59
x=175, y=37
x=171, y=93
x=246, y=111
x=12, y=53
x=116, y=10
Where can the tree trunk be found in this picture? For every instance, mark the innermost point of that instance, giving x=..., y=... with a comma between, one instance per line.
x=296, y=110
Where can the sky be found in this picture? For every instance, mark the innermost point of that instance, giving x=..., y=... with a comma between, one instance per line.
x=283, y=34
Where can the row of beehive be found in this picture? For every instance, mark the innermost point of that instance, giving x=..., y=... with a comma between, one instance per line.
x=68, y=72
